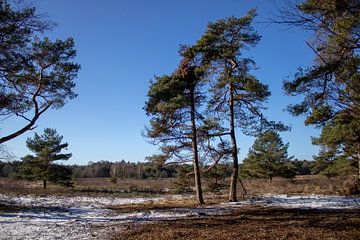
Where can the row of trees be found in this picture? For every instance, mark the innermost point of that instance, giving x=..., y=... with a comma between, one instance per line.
x=139, y=170
x=196, y=110
x=123, y=170
x=266, y=159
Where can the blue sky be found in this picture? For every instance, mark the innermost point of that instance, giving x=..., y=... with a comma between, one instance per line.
x=122, y=44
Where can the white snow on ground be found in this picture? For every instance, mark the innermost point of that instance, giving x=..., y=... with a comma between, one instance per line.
x=89, y=218
x=297, y=201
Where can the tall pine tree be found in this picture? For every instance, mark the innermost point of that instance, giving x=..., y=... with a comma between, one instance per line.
x=330, y=86
x=173, y=105
x=35, y=74
x=237, y=96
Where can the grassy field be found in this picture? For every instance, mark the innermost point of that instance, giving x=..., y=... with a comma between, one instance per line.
x=132, y=187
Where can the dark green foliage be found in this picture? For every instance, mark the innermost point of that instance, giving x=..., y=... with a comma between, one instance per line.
x=331, y=84
x=236, y=95
x=268, y=158
x=302, y=167
x=339, y=167
x=173, y=105
x=123, y=170
x=17, y=28
x=36, y=74
x=9, y=169
x=151, y=171
x=47, y=148
x=215, y=178
x=340, y=145
x=59, y=173
x=222, y=47
x=113, y=179
x=170, y=107
x=182, y=184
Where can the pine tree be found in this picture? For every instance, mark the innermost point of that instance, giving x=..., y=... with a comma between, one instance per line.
x=339, y=141
x=47, y=148
x=236, y=94
x=268, y=158
x=35, y=74
x=173, y=105
x=330, y=86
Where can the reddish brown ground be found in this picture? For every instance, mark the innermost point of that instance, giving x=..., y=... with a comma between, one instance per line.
x=252, y=223
x=245, y=223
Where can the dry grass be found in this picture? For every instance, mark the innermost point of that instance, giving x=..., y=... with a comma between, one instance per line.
x=89, y=186
x=168, y=203
x=253, y=223
x=19, y=187
x=151, y=187
x=299, y=185
x=125, y=184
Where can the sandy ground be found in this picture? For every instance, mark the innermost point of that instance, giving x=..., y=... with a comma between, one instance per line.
x=60, y=217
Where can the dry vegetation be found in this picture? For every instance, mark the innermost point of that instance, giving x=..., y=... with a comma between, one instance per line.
x=147, y=187
x=156, y=185
x=240, y=223
x=253, y=223
x=89, y=186
x=299, y=185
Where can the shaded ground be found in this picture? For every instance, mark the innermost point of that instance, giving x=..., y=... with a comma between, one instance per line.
x=175, y=217
x=253, y=223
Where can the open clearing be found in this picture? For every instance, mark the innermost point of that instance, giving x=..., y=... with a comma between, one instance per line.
x=81, y=217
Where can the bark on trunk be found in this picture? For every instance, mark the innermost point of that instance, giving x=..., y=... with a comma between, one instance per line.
x=359, y=169
x=359, y=166
x=44, y=184
x=234, y=152
x=199, y=195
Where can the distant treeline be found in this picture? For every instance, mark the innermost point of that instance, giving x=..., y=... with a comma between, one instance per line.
x=140, y=170
x=122, y=170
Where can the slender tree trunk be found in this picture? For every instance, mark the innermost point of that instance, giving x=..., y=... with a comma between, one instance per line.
x=44, y=184
x=234, y=152
x=359, y=168
x=199, y=195
x=216, y=176
x=358, y=157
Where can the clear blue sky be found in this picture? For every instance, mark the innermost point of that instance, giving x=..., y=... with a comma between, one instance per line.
x=122, y=44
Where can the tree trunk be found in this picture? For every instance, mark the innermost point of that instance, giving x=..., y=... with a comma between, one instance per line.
x=194, y=146
x=234, y=152
x=359, y=168
x=44, y=184
x=358, y=157
x=216, y=177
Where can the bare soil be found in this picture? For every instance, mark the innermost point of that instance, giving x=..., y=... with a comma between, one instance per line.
x=252, y=223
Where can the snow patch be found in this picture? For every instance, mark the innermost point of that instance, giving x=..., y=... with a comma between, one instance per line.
x=303, y=202
x=89, y=218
